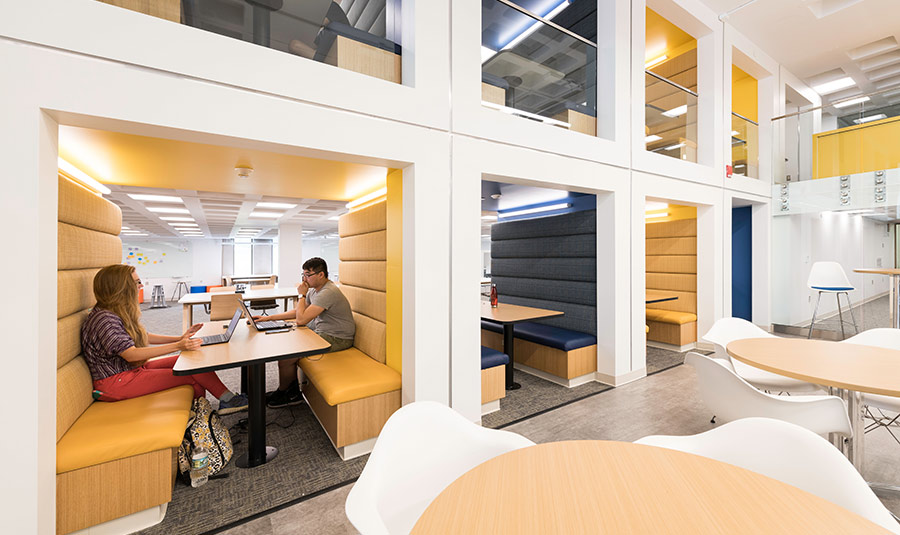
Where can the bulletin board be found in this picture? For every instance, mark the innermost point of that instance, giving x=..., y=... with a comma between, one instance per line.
x=159, y=259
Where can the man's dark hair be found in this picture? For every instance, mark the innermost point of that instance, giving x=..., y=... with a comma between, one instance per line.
x=316, y=264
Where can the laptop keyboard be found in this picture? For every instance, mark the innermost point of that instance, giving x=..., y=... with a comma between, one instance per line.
x=273, y=324
x=206, y=340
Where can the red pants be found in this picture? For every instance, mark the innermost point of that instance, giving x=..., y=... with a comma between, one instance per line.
x=154, y=376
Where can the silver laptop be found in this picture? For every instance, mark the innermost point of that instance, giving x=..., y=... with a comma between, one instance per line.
x=266, y=325
x=223, y=338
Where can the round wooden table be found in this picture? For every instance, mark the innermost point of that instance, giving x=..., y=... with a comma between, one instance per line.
x=620, y=487
x=850, y=368
x=894, y=298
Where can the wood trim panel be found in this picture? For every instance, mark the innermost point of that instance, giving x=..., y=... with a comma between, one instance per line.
x=493, y=94
x=678, y=282
x=672, y=246
x=493, y=384
x=492, y=340
x=365, y=59
x=372, y=218
x=567, y=365
x=327, y=414
x=686, y=302
x=669, y=333
x=671, y=264
x=578, y=122
x=354, y=421
x=164, y=9
x=99, y=493
x=672, y=229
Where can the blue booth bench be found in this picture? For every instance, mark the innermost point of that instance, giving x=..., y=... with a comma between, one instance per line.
x=493, y=379
x=564, y=356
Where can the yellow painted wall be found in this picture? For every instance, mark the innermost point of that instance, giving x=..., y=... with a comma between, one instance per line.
x=395, y=270
x=675, y=211
x=663, y=37
x=857, y=149
x=744, y=94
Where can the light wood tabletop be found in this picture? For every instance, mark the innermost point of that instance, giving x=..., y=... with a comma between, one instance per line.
x=620, y=487
x=659, y=296
x=189, y=300
x=878, y=271
x=854, y=367
x=247, y=346
x=506, y=313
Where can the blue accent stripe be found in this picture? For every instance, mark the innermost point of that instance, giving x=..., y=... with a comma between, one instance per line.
x=833, y=288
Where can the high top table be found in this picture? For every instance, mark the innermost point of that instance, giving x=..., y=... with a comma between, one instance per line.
x=189, y=300
x=509, y=315
x=849, y=368
x=894, y=298
x=624, y=488
x=251, y=349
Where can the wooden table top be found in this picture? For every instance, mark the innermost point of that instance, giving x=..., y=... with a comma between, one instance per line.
x=878, y=271
x=506, y=313
x=268, y=293
x=658, y=296
x=854, y=367
x=247, y=346
x=620, y=487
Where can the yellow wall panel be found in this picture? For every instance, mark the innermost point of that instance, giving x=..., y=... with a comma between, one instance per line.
x=395, y=270
x=857, y=149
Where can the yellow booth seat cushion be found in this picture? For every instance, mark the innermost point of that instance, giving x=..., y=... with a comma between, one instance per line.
x=670, y=316
x=108, y=431
x=349, y=375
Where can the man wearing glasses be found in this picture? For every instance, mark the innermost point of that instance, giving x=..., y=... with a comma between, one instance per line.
x=326, y=311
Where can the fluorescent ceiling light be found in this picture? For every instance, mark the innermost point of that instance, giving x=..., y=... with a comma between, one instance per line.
x=486, y=54
x=167, y=210
x=651, y=206
x=655, y=216
x=184, y=224
x=155, y=198
x=735, y=133
x=656, y=61
x=137, y=234
x=307, y=231
x=366, y=198
x=740, y=165
x=537, y=24
x=334, y=218
x=176, y=218
x=266, y=215
x=675, y=112
x=521, y=113
x=489, y=217
x=870, y=118
x=834, y=85
x=82, y=177
x=277, y=205
x=673, y=147
x=126, y=228
x=651, y=138
x=559, y=206
x=851, y=102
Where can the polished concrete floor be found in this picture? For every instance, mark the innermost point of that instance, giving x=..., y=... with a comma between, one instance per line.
x=664, y=403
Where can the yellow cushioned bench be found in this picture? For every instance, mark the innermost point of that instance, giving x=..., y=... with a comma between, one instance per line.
x=670, y=316
x=671, y=262
x=349, y=375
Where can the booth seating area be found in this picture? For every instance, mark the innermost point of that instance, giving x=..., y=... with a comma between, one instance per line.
x=549, y=263
x=112, y=459
x=354, y=392
x=671, y=249
x=493, y=376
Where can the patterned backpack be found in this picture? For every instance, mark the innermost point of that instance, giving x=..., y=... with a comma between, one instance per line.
x=208, y=431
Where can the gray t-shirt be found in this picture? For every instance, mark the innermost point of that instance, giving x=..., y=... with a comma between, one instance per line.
x=337, y=318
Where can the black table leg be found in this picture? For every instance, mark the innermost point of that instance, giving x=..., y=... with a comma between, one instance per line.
x=508, y=345
x=257, y=451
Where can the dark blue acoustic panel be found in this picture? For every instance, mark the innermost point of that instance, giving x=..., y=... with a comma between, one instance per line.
x=741, y=263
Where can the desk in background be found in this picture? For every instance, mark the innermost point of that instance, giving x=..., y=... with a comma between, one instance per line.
x=189, y=300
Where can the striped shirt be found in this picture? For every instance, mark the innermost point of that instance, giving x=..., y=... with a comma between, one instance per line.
x=103, y=339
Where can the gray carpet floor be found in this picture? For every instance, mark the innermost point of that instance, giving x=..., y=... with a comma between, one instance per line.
x=871, y=315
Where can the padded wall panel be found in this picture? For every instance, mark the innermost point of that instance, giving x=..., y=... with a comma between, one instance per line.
x=670, y=229
x=680, y=282
x=582, y=318
x=370, y=246
x=669, y=246
x=577, y=245
x=79, y=207
x=73, y=393
x=583, y=222
x=584, y=293
x=576, y=269
x=68, y=337
x=75, y=290
x=79, y=248
x=371, y=275
x=369, y=302
x=371, y=337
x=370, y=219
x=686, y=302
x=672, y=264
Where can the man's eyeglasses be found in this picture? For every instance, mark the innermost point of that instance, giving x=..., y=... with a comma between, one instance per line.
x=308, y=275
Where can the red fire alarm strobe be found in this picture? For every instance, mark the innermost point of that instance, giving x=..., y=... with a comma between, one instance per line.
x=728, y=171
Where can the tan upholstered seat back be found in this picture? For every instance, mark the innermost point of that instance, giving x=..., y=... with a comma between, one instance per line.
x=672, y=263
x=88, y=240
x=363, y=255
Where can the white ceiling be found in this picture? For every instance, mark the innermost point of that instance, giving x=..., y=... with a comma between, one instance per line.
x=822, y=40
x=220, y=215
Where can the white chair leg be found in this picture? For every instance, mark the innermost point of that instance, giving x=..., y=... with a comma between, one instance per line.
x=815, y=311
x=852, y=317
x=840, y=314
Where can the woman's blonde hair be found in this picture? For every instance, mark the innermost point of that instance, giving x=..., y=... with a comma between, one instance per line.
x=117, y=291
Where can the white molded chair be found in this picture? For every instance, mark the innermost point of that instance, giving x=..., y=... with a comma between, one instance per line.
x=422, y=448
x=727, y=330
x=790, y=454
x=731, y=398
x=888, y=339
x=829, y=277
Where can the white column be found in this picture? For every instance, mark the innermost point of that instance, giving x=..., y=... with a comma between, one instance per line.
x=290, y=254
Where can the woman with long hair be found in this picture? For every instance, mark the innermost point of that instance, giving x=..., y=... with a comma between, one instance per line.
x=117, y=348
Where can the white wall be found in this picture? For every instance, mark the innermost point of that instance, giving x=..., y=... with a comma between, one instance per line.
x=207, y=263
x=291, y=248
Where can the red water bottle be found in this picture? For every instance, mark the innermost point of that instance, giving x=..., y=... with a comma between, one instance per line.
x=494, y=295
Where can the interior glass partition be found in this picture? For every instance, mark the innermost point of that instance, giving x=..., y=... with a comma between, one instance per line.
x=541, y=65
x=362, y=35
x=836, y=199
x=744, y=146
x=670, y=118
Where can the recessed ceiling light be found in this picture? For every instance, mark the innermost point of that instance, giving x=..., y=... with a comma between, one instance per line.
x=82, y=177
x=167, y=210
x=834, y=85
x=675, y=112
x=870, y=118
x=279, y=205
x=673, y=147
x=266, y=215
x=176, y=218
x=851, y=102
x=655, y=61
x=735, y=133
x=651, y=138
x=184, y=224
x=489, y=217
x=334, y=218
x=137, y=234
x=155, y=198
x=125, y=228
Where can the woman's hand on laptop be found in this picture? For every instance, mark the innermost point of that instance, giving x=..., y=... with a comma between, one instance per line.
x=257, y=318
